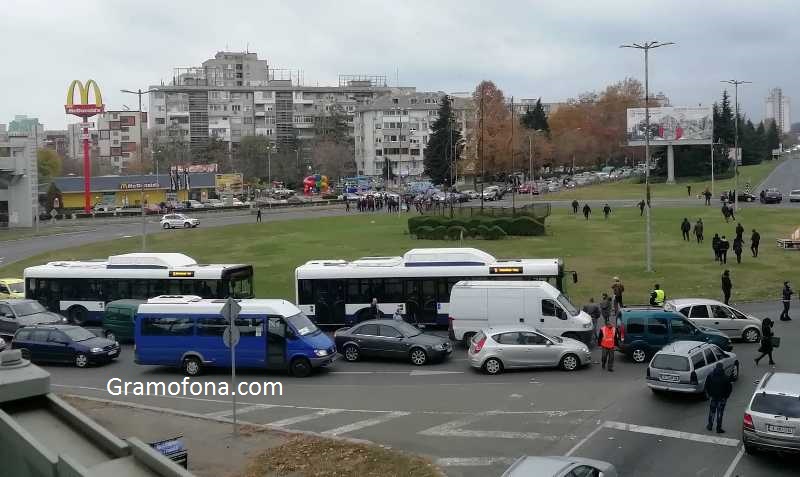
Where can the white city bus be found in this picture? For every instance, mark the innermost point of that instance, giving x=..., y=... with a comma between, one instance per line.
x=338, y=292
x=80, y=290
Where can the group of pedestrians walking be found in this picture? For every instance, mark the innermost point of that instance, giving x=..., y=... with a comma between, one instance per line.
x=587, y=210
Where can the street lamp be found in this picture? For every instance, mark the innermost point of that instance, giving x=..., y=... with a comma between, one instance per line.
x=139, y=93
x=736, y=84
x=646, y=47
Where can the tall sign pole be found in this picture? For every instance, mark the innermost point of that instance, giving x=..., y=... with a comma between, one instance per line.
x=230, y=311
x=84, y=109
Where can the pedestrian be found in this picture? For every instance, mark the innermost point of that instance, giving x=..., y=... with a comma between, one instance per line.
x=586, y=211
x=738, y=243
x=685, y=228
x=731, y=211
x=606, y=211
x=761, y=196
x=707, y=195
x=715, y=245
x=786, y=293
x=755, y=239
x=575, y=206
x=727, y=286
x=617, y=288
x=739, y=231
x=657, y=296
x=608, y=338
x=689, y=191
x=592, y=310
x=606, y=305
x=766, y=341
x=641, y=208
x=398, y=313
x=718, y=389
x=258, y=216
x=346, y=205
x=698, y=230
x=724, y=245
x=374, y=311
x=725, y=212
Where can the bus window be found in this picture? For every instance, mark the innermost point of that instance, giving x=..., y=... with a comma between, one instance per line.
x=241, y=288
x=393, y=290
x=353, y=293
x=139, y=290
x=305, y=292
x=167, y=326
x=442, y=290
x=210, y=326
x=207, y=289
x=250, y=326
x=159, y=287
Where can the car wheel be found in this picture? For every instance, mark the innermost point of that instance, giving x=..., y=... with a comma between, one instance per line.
x=81, y=360
x=300, y=368
x=735, y=372
x=187, y=225
x=751, y=335
x=165, y=226
x=111, y=336
x=77, y=315
x=569, y=362
x=351, y=353
x=493, y=366
x=418, y=356
x=192, y=366
x=638, y=355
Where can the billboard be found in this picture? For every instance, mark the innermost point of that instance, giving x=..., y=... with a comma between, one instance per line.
x=195, y=168
x=671, y=125
x=228, y=183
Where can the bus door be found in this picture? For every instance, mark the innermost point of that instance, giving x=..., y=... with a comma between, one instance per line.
x=421, y=303
x=329, y=301
x=276, y=342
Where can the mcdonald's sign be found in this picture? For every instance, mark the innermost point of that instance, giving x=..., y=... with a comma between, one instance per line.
x=84, y=108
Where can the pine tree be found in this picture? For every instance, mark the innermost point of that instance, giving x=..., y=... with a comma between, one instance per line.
x=773, y=137
x=442, y=142
x=726, y=125
x=535, y=118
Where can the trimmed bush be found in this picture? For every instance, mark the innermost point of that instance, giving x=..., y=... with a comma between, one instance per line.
x=482, y=231
x=454, y=232
x=525, y=226
x=424, y=232
x=475, y=226
x=496, y=233
x=439, y=232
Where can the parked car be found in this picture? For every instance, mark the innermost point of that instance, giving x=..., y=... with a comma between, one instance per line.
x=772, y=196
x=3, y=344
x=390, y=339
x=20, y=312
x=645, y=330
x=12, y=288
x=683, y=366
x=495, y=349
x=118, y=320
x=794, y=196
x=237, y=203
x=171, y=221
x=64, y=344
x=528, y=188
x=216, y=203
x=559, y=466
x=106, y=208
x=193, y=204
x=743, y=197
x=714, y=314
x=772, y=418
x=472, y=194
x=491, y=193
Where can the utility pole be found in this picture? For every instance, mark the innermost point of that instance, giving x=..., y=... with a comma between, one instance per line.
x=736, y=84
x=646, y=47
x=514, y=178
x=483, y=128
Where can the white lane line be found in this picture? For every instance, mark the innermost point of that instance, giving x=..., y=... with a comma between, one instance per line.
x=305, y=417
x=423, y=372
x=657, y=431
x=365, y=423
x=735, y=462
x=473, y=461
x=583, y=441
x=367, y=372
x=239, y=411
x=456, y=429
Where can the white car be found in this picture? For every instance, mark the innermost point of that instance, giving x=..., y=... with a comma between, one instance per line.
x=217, y=203
x=193, y=204
x=713, y=314
x=171, y=221
x=794, y=196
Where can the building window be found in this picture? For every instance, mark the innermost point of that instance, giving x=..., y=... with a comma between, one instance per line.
x=126, y=138
x=113, y=124
x=127, y=121
x=415, y=152
x=115, y=151
x=128, y=147
x=378, y=152
x=236, y=107
x=105, y=134
x=161, y=121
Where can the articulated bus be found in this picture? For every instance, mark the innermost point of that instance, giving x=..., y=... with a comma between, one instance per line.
x=338, y=292
x=80, y=290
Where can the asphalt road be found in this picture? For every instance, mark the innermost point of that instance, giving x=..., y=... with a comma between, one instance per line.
x=476, y=425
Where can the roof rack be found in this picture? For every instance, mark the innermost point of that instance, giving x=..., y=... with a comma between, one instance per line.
x=763, y=383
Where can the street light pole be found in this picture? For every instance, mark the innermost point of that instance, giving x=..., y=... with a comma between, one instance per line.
x=646, y=47
x=736, y=84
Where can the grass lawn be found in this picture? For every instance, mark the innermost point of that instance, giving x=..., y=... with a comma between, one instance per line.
x=597, y=249
x=631, y=189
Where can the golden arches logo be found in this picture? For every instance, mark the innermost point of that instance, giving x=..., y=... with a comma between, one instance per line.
x=84, y=92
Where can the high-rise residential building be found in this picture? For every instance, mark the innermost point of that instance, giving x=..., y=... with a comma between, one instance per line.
x=19, y=192
x=57, y=140
x=396, y=128
x=120, y=137
x=22, y=124
x=235, y=94
x=777, y=107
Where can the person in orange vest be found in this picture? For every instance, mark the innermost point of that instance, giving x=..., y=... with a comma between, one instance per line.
x=608, y=337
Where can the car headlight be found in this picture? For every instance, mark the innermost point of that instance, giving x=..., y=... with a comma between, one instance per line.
x=321, y=352
x=441, y=347
x=96, y=350
x=2, y=342
x=587, y=325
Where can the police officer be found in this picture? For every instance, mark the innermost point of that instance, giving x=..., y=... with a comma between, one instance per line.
x=657, y=296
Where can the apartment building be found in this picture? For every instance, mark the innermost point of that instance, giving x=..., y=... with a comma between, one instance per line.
x=18, y=179
x=777, y=107
x=57, y=140
x=22, y=124
x=396, y=128
x=119, y=140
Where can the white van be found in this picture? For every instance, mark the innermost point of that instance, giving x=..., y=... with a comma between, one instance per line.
x=480, y=304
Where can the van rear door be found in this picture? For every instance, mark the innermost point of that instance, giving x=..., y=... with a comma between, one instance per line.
x=468, y=310
x=506, y=306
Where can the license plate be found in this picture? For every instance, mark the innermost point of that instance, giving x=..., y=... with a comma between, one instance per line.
x=780, y=429
x=670, y=378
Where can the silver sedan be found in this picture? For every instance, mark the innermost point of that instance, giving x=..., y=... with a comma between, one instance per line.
x=496, y=349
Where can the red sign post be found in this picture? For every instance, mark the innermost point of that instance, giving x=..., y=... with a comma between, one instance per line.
x=85, y=110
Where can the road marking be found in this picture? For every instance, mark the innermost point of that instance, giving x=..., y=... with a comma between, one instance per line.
x=432, y=373
x=583, y=441
x=657, y=431
x=239, y=411
x=456, y=429
x=367, y=372
x=734, y=463
x=305, y=417
x=365, y=423
x=473, y=461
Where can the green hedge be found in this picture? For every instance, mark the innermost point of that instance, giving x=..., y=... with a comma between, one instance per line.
x=439, y=228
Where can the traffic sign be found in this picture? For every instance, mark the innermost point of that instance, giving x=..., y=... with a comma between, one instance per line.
x=231, y=336
x=231, y=309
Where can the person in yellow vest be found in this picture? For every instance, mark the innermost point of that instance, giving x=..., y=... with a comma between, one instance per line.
x=608, y=338
x=657, y=296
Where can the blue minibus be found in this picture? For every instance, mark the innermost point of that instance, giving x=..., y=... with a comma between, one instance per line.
x=186, y=332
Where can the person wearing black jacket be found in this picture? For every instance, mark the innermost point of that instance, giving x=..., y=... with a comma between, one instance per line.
x=718, y=389
x=575, y=206
x=685, y=228
x=738, y=243
x=727, y=285
x=724, y=245
x=715, y=245
x=739, y=231
x=766, y=341
x=755, y=239
x=786, y=298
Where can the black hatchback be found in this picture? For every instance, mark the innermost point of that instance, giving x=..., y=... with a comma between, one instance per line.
x=64, y=344
x=391, y=339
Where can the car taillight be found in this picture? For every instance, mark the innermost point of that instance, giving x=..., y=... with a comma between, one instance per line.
x=748, y=422
x=479, y=345
x=621, y=329
x=693, y=378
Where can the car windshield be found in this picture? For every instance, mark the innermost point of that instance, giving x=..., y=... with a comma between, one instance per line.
x=568, y=305
x=407, y=330
x=78, y=334
x=302, y=324
x=777, y=405
x=28, y=308
x=18, y=287
x=671, y=362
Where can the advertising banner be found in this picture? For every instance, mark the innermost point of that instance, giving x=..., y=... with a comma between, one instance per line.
x=228, y=183
x=671, y=125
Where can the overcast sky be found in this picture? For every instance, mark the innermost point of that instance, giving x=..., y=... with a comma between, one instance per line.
x=553, y=49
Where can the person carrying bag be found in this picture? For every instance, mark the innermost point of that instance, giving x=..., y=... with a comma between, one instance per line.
x=768, y=341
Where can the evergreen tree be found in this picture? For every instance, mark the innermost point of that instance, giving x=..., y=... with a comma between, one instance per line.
x=726, y=125
x=442, y=143
x=773, y=137
x=535, y=118
x=751, y=140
